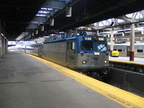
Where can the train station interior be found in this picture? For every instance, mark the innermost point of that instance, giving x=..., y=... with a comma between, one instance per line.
x=71, y=54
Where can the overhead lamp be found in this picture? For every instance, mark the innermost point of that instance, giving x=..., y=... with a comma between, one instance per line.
x=41, y=15
x=42, y=29
x=32, y=34
x=68, y=11
x=46, y=8
x=43, y=12
x=52, y=22
x=36, y=31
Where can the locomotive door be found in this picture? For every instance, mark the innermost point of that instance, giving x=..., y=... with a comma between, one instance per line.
x=71, y=54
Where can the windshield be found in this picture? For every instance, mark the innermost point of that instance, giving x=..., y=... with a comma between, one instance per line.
x=87, y=45
x=101, y=46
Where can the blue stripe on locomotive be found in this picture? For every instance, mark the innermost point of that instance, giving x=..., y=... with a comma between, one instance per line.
x=78, y=41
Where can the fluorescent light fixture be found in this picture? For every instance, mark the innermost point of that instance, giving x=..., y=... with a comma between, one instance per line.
x=43, y=12
x=42, y=29
x=51, y=22
x=34, y=22
x=46, y=8
x=32, y=34
x=68, y=11
x=36, y=32
x=41, y=15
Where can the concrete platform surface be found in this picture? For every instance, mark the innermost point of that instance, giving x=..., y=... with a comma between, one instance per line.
x=28, y=83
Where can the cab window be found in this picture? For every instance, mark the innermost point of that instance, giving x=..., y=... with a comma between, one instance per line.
x=87, y=45
x=101, y=46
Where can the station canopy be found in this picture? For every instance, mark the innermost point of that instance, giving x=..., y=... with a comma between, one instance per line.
x=50, y=8
x=120, y=24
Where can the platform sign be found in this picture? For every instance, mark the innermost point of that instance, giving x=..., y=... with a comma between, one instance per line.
x=101, y=39
x=88, y=38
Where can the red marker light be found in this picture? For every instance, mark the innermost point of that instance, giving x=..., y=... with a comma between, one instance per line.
x=95, y=38
x=107, y=53
x=82, y=53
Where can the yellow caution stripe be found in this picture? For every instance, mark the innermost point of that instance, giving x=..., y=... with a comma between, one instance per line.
x=120, y=96
x=127, y=62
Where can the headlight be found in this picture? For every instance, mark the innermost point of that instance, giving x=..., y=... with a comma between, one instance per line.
x=84, y=62
x=96, y=53
x=105, y=61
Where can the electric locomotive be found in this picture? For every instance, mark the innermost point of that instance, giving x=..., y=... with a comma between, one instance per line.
x=89, y=54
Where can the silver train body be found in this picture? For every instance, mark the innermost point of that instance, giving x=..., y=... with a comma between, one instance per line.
x=124, y=49
x=86, y=53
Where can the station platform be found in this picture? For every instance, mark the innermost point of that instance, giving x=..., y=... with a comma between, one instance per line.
x=139, y=61
x=27, y=81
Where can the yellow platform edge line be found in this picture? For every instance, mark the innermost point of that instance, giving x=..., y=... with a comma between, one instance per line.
x=126, y=62
x=120, y=96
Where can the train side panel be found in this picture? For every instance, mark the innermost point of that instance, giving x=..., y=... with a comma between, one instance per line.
x=139, y=51
x=84, y=53
x=124, y=50
x=55, y=52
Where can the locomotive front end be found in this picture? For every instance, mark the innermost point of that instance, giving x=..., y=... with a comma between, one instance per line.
x=93, y=53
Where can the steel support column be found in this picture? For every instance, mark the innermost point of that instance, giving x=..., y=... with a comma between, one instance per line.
x=111, y=42
x=132, y=39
